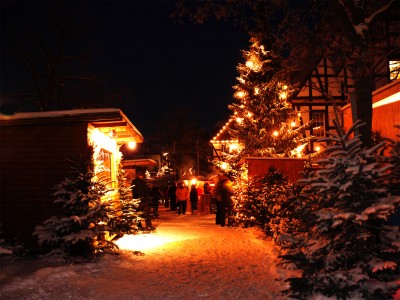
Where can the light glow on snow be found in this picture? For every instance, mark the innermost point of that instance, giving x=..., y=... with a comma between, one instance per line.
x=142, y=242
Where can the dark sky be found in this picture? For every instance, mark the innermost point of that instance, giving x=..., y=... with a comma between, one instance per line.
x=163, y=65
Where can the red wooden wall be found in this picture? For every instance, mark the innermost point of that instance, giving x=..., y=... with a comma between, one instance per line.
x=33, y=160
x=291, y=167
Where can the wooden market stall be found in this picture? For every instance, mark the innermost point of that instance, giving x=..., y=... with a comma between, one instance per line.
x=259, y=166
x=36, y=150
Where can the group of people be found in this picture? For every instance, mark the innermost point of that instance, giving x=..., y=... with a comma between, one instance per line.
x=179, y=195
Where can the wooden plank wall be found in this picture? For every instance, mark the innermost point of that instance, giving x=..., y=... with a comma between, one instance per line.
x=291, y=167
x=33, y=159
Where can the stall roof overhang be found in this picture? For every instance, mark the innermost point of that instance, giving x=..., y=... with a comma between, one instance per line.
x=105, y=119
x=142, y=162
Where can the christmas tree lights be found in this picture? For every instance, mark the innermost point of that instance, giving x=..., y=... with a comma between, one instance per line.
x=266, y=123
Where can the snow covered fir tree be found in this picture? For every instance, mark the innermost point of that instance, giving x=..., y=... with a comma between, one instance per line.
x=350, y=252
x=81, y=226
x=333, y=225
x=126, y=218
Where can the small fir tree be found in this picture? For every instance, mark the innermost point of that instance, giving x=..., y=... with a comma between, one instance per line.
x=284, y=207
x=351, y=252
x=245, y=203
x=127, y=217
x=81, y=226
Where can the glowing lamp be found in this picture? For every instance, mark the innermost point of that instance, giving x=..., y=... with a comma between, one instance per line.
x=293, y=124
x=193, y=182
x=275, y=133
x=317, y=148
x=132, y=145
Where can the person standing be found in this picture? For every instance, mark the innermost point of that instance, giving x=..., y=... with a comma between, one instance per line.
x=141, y=191
x=194, y=197
x=182, y=195
x=224, y=201
x=172, y=196
x=155, y=196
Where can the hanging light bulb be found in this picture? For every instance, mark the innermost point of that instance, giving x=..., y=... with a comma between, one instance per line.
x=293, y=123
x=132, y=145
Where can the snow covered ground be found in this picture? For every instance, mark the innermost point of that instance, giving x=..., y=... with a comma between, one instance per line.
x=187, y=257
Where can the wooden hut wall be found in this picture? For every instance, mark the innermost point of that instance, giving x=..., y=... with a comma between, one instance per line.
x=291, y=167
x=33, y=160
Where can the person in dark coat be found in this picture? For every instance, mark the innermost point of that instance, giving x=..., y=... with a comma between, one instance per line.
x=155, y=196
x=141, y=191
x=194, y=197
x=224, y=201
x=172, y=196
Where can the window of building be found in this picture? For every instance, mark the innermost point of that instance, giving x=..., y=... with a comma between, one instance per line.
x=318, y=124
x=394, y=69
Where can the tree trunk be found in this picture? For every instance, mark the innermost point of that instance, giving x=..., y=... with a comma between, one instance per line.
x=362, y=107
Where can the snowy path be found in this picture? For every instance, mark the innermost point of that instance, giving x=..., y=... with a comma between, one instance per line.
x=192, y=258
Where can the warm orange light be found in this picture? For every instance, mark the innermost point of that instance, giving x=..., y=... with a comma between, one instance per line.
x=293, y=124
x=224, y=166
x=239, y=120
x=193, y=182
x=141, y=242
x=283, y=95
x=240, y=94
x=249, y=64
x=233, y=147
x=275, y=133
x=132, y=145
x=317, y=148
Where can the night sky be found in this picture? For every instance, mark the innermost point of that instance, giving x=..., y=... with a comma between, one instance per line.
x=162, y=65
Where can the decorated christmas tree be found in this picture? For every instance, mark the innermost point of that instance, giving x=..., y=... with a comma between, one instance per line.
x=266, y=123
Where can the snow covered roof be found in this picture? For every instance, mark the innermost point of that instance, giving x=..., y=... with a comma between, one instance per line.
x=97, y=117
